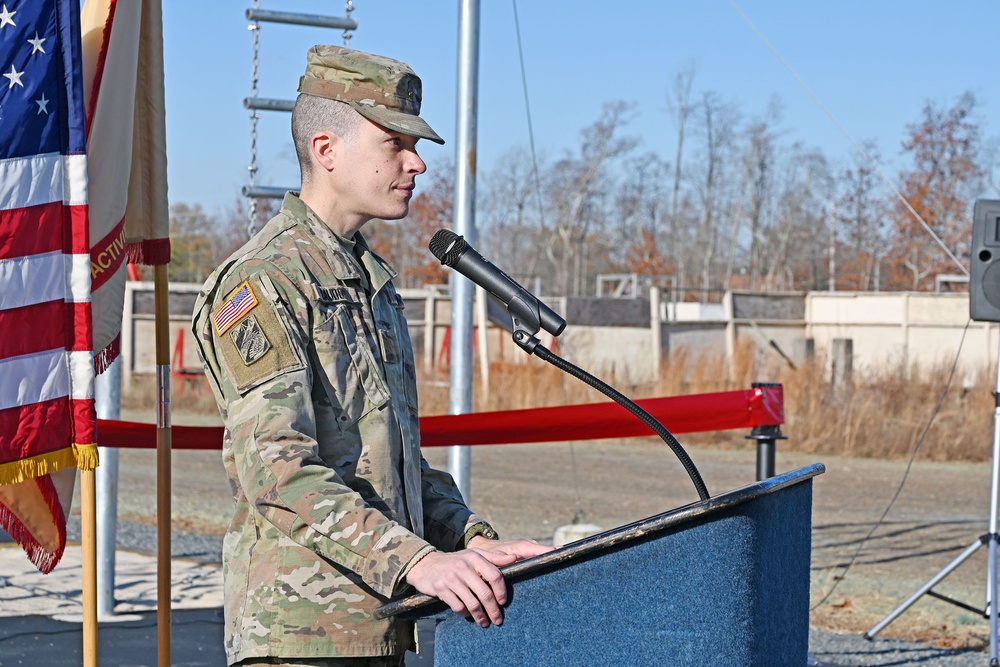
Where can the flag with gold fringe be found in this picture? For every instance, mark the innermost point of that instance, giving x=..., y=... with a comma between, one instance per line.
x=47, y=417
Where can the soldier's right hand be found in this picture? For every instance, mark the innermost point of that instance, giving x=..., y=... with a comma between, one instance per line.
x=469, y=581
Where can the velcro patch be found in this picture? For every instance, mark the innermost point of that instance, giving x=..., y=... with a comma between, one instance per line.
x=335, y=294
x=235, y=307
x=250, y=340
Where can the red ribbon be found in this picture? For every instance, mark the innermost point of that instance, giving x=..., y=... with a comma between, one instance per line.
x=760, y=406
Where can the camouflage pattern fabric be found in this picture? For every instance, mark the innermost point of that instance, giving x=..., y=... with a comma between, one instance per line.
x=383, y=90
x=304, y=343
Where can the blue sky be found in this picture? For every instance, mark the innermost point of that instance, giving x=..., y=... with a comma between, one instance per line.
x=872, y=63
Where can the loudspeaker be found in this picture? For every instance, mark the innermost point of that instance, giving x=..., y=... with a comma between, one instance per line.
x=984, y=285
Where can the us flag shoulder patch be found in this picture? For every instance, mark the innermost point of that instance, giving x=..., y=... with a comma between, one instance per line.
x=238, y=305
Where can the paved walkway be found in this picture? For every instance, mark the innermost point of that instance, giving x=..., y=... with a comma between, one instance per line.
x=40, y=615
x=25, y=590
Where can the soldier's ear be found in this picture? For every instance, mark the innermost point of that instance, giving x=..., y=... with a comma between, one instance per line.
x=324, y=148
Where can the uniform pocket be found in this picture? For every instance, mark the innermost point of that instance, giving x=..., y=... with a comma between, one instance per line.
x=351, y=375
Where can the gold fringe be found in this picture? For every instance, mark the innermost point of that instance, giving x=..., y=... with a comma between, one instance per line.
x=83, y=457
x=86, y=456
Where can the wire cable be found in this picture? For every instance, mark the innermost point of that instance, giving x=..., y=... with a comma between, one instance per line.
x=699, y=484
x=527, y=110
x=579, y=514
x=857, y=146
x=906, y=472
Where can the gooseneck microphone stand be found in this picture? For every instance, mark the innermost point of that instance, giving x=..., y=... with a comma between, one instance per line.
x=524, y=336
x=991, y=539
x=529, y=316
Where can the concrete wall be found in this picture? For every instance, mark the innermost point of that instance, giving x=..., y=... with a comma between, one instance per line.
x=902, y=329
x=619, y=355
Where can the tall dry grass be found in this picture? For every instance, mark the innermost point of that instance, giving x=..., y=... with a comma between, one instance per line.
x=881, y=413
x=884, y=412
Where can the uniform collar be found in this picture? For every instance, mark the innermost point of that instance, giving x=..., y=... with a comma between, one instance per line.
x=378, y=269
x=355, y=248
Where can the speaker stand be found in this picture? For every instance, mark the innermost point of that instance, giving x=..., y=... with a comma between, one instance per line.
x=991, y=539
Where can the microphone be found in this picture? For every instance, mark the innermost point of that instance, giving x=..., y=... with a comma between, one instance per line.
x=525, y=309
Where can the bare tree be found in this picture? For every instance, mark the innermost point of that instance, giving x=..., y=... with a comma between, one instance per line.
x=717, y=122
x=201, y=241
x=757, y=164
x=513, y=214
x=860, y=219
x=796, y=243
x=574, y=184
x=638, y=212
x=680, y=107
x=944, y=145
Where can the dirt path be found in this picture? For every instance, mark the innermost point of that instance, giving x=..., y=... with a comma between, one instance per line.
x=529, y=490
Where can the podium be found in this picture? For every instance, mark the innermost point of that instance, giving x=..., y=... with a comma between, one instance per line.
x=724, y=581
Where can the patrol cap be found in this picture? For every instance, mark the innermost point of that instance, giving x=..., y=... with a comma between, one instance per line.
x=383, y=90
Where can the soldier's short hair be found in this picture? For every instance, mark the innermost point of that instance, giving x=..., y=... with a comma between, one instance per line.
x=313, y=114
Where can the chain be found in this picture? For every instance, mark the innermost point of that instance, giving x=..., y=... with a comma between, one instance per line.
x=254, y=117
x=348, y=8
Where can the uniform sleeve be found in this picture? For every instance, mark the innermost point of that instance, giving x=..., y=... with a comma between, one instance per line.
x=446, y=516
x=273, y=429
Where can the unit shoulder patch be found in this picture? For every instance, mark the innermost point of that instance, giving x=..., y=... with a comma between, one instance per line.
x=250, y=340
x=239, y=303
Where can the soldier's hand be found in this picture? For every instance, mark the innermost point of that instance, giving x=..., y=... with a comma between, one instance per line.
x=520, y=549
x=468, y=581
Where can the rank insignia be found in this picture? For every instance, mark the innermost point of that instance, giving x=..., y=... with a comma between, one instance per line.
x=250, y=340
x=238, y=305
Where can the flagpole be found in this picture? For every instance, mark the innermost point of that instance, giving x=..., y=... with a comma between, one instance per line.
x=88, y=535
x=162, y=466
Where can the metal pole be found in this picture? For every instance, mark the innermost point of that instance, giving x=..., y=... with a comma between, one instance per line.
x=107, y=400
x=266, y=191
x=268, y=104
x=948, y=569
x=656, y=329
x=991, y=566
x=767, y=440
x=482, y=340
x=765, y=459
x=314, y=20
x=462, y=289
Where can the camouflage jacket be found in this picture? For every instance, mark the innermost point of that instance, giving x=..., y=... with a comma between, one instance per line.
x=307, y=351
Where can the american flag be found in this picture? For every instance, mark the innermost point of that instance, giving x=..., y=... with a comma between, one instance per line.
x=236, y=307
x=47, y=418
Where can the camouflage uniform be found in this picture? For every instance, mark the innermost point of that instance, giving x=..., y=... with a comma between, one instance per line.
x=304, y=342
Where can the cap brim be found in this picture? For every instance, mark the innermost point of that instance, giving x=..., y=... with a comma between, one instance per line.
x=405, y=123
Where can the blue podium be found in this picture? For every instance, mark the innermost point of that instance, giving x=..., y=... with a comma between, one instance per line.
x=724, y=581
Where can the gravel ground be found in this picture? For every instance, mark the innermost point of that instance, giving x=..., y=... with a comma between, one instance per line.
x=829, y=649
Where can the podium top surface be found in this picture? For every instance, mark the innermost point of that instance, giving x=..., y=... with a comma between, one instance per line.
x=424, y=605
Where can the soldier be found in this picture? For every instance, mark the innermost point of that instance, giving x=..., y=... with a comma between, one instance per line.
x=305, y=346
